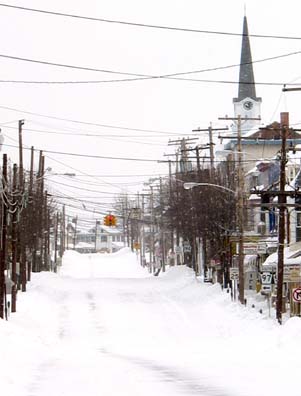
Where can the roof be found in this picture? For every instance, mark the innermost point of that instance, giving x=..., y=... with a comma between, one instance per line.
x=292, y=256
x=111, y=230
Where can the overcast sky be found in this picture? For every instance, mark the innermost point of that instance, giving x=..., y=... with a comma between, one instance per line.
x=170, y=108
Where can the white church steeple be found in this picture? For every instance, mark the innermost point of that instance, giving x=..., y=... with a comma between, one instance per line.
x=247, y=104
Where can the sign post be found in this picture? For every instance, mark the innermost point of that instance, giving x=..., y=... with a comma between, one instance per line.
x=234, y=277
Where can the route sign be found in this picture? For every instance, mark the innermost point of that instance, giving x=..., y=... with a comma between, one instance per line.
x=234, y=274
x=296, y=294
x=266, y=278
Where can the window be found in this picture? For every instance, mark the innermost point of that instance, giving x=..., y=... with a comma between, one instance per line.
x=298, y=226
x=104, y=238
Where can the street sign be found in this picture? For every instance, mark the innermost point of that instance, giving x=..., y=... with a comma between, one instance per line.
x=294, y=275
x=136, y=245
x=268, y=268
x=297, y=295
x=266, y=288
x=234, y=274
x=266, y=278
x=178, y=249
x=186, y=247
x=250, y=248
x=286, y=274
x=261, y=247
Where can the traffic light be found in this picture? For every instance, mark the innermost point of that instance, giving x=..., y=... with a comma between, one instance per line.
x=110, y=220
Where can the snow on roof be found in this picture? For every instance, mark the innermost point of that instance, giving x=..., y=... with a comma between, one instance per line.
x=292, y=255
x=84, y=245
x=111, y=230
x=252, y=130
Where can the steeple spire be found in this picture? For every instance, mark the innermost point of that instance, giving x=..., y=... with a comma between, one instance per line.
x=247, y=104
x=246, y=75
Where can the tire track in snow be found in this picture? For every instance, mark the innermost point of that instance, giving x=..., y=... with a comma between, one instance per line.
x=181, y=381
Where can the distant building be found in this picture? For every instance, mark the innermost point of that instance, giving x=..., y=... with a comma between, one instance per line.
x=98, y=239
x=108, y=239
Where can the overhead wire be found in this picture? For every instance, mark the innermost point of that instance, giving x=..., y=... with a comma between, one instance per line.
x=90, y=155
x=79, y=188
x=84, y=122
x=113, y=138
x=139, y=77
x=25, y=147
x=144, y=25
x=88, y=134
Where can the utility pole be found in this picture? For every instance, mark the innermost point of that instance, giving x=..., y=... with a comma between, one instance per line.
x=95, y=236
x=32, y=208
x=55, y=240
x=75, y=233
x=172, y=225
x=282, y=205
x=46, y=233
x=182, y=149
x=240, y=206
x=3, y=240
x=142, y=233
x=162, y=242
x=21, y=171
x=151, y=248
x=14, y=241
x=211, y=144
x=284, y=123
x=63, y=231
x=21, y=235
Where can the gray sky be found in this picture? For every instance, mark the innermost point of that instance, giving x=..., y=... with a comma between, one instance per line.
x=168, y=107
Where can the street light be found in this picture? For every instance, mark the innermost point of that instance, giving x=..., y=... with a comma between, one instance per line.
x=190, y=185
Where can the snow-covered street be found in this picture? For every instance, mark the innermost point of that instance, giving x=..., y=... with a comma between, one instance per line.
x=104, y=326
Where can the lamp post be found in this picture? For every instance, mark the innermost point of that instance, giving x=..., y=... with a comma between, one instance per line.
x=190, y=185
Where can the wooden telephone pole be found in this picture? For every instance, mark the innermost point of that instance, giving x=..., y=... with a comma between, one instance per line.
x=211, y=144
x=282, y=205
x=3, y=239
x=14, y=241
x=284, y=123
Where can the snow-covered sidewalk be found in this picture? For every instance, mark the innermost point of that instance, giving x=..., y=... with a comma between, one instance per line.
x=104, y=326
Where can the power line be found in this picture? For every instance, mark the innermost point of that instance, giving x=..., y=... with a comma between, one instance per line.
x=92, y=183
x=72, y=66
x=85, y=122
x=80, y=171
x=136, y=76
x=136, y=175
x=131, y=79
x=144, y=25
x=88, y=155
x=89, y=134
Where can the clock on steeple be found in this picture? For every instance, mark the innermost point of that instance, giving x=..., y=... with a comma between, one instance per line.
x=248, y=105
